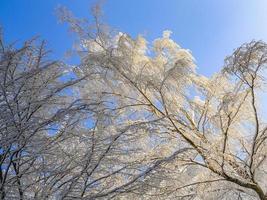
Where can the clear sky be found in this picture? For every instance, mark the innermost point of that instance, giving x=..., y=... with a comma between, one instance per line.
x=211, y=29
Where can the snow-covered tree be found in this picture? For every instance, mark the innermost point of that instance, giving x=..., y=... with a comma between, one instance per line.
x=134, y=120
x=214, y=123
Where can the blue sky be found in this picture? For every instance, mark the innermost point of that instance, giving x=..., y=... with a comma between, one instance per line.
x=211, y=29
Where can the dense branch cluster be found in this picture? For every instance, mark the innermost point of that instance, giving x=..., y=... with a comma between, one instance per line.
x=134, y=120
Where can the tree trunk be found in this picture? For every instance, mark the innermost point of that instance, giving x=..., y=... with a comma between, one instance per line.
x=260, y=192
